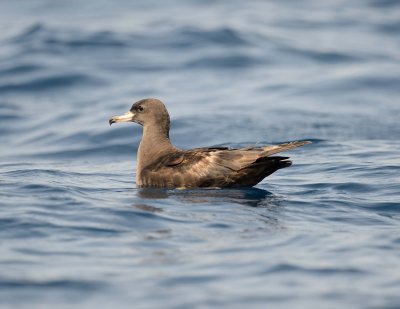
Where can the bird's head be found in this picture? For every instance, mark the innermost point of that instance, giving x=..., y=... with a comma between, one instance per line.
x=145, y=112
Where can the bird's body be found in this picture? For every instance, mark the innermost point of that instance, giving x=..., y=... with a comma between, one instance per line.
x=162, y=165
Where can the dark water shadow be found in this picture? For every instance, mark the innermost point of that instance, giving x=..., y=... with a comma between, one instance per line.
x=253, y=197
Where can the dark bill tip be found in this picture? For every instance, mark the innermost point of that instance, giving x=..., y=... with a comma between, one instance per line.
x=111, y=121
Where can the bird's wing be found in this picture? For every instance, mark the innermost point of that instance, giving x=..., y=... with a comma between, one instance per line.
x=233, y=159
x=238, y=159
x=270, y=150
x=190, y=168
x=209, y=167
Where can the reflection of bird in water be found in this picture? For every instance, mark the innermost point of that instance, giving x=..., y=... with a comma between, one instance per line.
x=215, y=208
x=148, y=208
x=253, y=197
x=162, y=165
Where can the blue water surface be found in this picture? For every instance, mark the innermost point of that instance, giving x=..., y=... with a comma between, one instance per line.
x=75, y=232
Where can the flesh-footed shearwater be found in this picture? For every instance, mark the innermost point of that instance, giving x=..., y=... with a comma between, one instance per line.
x=161, y=165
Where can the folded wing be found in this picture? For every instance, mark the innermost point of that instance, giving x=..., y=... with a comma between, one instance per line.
x=216, y=167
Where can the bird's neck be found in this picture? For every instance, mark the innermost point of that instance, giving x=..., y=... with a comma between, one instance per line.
x=154, y=144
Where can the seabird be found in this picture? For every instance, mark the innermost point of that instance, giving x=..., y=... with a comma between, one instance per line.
x=162, y=165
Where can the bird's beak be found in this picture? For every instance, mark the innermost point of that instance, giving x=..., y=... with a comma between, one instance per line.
x=127, y=117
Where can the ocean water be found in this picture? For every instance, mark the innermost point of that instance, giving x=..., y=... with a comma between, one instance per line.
x=76, y=232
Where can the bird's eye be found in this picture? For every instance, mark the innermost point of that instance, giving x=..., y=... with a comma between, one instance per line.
x=140, y=108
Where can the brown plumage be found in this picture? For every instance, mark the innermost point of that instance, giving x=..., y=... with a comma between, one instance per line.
x=162, y=165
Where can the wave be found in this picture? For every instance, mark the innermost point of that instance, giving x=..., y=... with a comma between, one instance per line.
x=177, y=37
x=51, y=82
